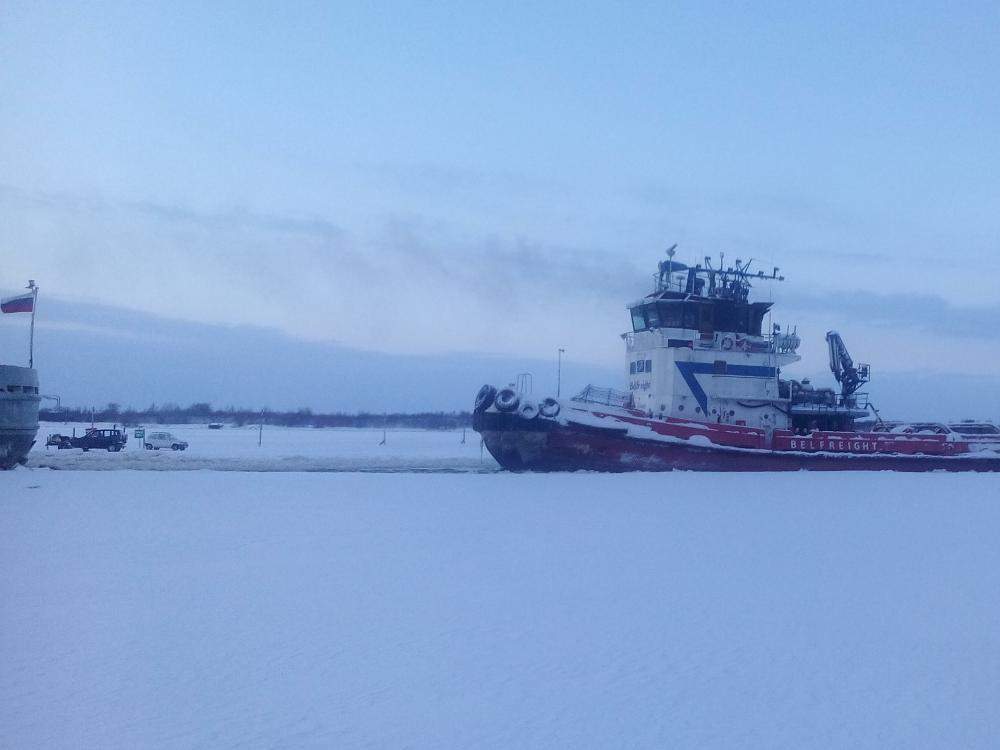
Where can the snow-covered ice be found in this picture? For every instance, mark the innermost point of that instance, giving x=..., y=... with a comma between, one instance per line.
x=280, y=449
x=207, y=609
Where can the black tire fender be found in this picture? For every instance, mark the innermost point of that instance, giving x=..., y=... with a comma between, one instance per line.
x=484, y=399
x=506, y=400
x=549, y=407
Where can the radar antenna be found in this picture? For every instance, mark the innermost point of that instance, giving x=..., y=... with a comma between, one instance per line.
x=667, y=267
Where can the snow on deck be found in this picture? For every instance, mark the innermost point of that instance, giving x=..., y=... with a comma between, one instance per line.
x=291, y=610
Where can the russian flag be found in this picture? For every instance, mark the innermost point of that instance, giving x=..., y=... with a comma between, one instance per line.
x=18, y=303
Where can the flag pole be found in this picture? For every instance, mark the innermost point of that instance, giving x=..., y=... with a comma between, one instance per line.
x=31, y=339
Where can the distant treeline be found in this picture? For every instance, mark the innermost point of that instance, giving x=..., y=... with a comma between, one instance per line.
x=205, y=414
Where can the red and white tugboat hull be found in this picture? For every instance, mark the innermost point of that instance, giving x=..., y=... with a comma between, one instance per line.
x=585, y=440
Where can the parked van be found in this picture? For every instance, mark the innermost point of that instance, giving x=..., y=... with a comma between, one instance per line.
x=156, y=440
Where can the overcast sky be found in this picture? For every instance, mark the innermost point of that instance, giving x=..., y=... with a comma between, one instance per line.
x=442, y=181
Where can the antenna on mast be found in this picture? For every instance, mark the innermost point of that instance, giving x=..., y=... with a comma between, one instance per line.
x=667, y=268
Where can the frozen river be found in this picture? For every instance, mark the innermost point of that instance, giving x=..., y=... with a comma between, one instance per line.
x=279, y=449
x=207, y=609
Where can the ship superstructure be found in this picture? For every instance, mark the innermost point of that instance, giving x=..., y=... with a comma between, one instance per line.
x=700, y=349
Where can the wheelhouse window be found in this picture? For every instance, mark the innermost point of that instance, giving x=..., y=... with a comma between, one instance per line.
x=638, y=321
x=690, y=315
x=733, y=318
x=706, y=319
x=671, y=315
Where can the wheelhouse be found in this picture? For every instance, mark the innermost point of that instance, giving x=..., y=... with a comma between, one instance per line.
x=701, y=315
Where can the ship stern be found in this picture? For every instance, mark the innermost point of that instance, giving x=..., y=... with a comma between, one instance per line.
x=19, y=402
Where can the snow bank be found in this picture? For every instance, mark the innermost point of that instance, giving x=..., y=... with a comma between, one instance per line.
x=209, y=609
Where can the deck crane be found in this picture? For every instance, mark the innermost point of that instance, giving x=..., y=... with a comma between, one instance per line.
x=850, y=376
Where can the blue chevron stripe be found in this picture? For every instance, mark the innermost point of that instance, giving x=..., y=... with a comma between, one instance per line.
x=690, y=369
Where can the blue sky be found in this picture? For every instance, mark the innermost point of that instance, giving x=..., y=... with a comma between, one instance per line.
x=497, y=180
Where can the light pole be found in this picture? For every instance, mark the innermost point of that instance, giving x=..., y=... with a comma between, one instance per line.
x=559, y=374
x=34, y=303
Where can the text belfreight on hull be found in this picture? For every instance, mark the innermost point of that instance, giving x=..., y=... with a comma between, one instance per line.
x=705, y=392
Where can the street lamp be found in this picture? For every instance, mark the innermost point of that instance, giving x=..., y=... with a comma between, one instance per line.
x=559, y=374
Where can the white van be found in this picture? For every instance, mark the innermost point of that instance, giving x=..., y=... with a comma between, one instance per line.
x=156, y=440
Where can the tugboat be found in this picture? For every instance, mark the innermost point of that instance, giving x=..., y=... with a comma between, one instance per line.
x=706, y=393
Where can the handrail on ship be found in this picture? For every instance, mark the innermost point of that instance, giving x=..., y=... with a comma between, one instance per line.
x=604, y=396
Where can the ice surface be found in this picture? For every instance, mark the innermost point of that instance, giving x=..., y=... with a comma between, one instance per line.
x=290, y=610
x=281, y=449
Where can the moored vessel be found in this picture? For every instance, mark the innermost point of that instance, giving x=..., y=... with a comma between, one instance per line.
x=19, y=400
x=705, y=392
x=19, y=396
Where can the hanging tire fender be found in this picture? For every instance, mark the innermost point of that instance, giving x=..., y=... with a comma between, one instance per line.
x=528, y=409
x=549, y=408
x=506, y=400
x=484, y=399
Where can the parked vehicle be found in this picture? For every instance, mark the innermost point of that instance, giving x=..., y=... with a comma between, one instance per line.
x=157, y=440
x=59, y=441
x=111, y=439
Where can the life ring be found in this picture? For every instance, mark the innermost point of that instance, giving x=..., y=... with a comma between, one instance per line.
x=506, y=400
x=728, y=342
x=484, y=399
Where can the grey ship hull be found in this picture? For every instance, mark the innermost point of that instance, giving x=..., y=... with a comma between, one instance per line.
x=19, y=400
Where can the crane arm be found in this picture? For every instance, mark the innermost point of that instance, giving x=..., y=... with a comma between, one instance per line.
x=850, y=376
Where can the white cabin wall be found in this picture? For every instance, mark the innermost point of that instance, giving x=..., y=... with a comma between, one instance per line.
x=648, y=386
x=665, y=392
